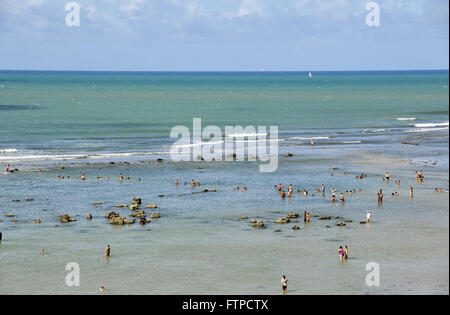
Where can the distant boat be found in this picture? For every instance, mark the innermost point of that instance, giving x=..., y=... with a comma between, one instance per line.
x=310, y=75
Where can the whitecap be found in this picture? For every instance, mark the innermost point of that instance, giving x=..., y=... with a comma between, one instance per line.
x=426, y=125
x=407, y=118
x=309, y=138
x=9, y=150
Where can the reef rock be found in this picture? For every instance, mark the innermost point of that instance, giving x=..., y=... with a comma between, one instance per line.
x=65, y=218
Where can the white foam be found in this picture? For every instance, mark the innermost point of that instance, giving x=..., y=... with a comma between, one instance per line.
x=243, y=135
x=49, y=157
x=374, y=130
x=408, y=118
x=198, y=144
x=352, y=142
x=308, y=138
x=222, y=141
x=9, y=150
x=443, y=124
x=427, y=129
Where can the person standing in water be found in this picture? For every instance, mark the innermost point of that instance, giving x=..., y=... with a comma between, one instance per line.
x=108, y=251
x=367, y=216
x=83, y=177
x=341, y=253
x=345, y=252
x=411, y=191
x=7, y=168
x=284, y=284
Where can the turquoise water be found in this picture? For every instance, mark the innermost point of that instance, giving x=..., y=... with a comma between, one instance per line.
x=84, y=121
x=58, y=113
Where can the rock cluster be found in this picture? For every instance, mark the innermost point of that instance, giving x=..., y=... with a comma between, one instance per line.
x=135, y=204
x=120, y=221
x=65, y=218
x=139, y=214
x=111, y=214
x=259, y=224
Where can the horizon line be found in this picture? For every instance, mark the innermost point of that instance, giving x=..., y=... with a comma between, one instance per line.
x=226, y=71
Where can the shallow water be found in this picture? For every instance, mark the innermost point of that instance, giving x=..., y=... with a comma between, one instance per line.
x=200, y=245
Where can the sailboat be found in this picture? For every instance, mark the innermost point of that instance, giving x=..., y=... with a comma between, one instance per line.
x=310, y=75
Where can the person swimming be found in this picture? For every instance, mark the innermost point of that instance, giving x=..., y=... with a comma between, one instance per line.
x=368, y=216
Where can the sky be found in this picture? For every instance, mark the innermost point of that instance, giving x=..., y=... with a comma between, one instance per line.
x=224, y=35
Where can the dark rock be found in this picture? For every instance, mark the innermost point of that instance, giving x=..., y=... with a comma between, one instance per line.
x=121, y=206
x=139, y=214
x=259, y=224
x=282, y=220
x=111, y=214
x=65, y=218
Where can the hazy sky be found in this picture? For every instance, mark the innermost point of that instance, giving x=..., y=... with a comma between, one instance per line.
x=225, y=35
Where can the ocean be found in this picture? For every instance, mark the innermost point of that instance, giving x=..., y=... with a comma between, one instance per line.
x=105, y=123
